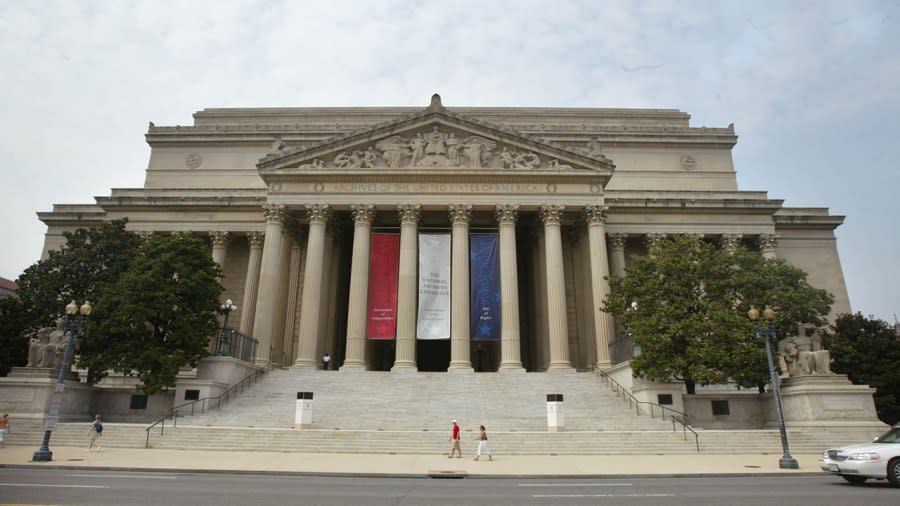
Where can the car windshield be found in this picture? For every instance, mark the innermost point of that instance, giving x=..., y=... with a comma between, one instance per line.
x=891, y=436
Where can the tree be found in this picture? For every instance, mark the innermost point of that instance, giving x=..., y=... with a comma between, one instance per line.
x=867, y=350
x=13, y=343
x=690, y=317
x=158, y=315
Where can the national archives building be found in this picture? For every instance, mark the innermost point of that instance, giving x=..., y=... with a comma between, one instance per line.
x=436, y=238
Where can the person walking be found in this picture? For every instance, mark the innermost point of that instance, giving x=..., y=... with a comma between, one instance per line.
x=96, y=433
x=326, y=361
x=482, y=444
x=4, y=429
x=454, y=441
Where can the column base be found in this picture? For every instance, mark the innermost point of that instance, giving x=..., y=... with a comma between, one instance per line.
x=461, y=369
x=555, y=429
x=405, y=367
x=603, y=365
x=511, y=367
x=352, y=367
x=305, y=364
x=460, y=365
x=564, y=367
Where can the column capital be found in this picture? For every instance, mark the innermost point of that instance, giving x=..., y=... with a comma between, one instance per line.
x=652, y=240
x=695, y=235
x=363, y=213
x=507, y=214
x=256, y=239
x=617, y=240
x=318, y=213
x=410, y=213
x=768, y=241
x=460, y=213
x=552, y=213
x=731, y=242
x=595, y=214
x=219, y=239
x=275, y=213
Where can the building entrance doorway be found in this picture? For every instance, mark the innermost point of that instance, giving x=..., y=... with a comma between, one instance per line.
x=433, y=355
x=381, y=354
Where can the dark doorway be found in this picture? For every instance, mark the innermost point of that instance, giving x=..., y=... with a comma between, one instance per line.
x=433, y=355
x=485, y=356
x=381, y=354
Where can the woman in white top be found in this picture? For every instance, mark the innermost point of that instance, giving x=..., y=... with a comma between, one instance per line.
x=482, y=444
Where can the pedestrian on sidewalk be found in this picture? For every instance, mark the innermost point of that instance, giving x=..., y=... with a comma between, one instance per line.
x=482, y=444
x=4, y=429
x=96, y=433
x=454, y=441
x=326, y=361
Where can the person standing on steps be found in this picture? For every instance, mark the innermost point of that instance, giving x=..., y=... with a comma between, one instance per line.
x=482, y=444
x=4, y=430
x=454, y=442
x=326, y=361
x=96, y=433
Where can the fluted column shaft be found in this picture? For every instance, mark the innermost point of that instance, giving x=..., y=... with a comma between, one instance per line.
x=359, y=287
x=264, y=322
x=406, y=293
x=291, y=305
x=251, y=282
x=460, y=335
x=556, y=289
x=312, y=285
x=219, y=247
x=617, y=256
x=604, y=325
x=510, y=347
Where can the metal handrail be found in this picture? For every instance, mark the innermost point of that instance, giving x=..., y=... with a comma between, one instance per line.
x=626, y=395
x=227, y=394
x=230, y=342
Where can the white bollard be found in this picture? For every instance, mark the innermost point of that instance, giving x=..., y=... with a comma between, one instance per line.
x=303, y=415
x=556, y=418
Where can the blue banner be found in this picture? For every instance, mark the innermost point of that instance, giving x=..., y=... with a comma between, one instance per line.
x=484, y=269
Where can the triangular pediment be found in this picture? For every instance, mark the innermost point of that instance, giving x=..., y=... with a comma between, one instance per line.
x=435, y=139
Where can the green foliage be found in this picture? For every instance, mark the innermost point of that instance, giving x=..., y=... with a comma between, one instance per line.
x=867, y=350
x=691, y=315
x=13, y=343
x=158, y=315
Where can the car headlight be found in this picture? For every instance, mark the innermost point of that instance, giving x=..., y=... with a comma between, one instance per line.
x=864, y=456
x=825, y=455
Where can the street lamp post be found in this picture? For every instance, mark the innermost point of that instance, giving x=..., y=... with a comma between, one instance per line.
x=225, y=341
x=74, y=326
x=766, y=331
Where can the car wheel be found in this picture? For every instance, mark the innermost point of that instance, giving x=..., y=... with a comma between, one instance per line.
x=855, y=480
x=893, y=472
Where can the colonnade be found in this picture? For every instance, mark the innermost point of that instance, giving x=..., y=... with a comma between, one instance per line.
x=274, y=264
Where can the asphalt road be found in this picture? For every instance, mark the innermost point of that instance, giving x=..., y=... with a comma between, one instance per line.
x=51, y=486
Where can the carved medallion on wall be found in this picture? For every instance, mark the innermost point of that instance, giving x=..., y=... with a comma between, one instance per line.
x=688, y=162
x=193, y=160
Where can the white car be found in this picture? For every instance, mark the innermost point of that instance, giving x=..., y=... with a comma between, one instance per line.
x=878, y=460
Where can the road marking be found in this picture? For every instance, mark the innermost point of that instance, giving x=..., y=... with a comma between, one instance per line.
x=546, y=496
x=54, y=486
x=574, y=484
x=139, y=476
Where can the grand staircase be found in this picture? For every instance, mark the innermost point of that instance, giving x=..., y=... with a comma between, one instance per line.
x=410, y=413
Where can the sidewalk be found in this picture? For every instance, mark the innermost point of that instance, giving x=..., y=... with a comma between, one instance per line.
x=127, y=459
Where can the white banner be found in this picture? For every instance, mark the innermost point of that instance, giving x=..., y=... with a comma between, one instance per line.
x=433, y=321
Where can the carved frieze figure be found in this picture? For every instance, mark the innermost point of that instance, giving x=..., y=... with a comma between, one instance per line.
x=342, y=160
x=315, y=164
x=278, y=146
x=369, y=157
x=417, y=145
x=593, y=148
x=519, y=159
x=478, y=151
x=395, y=150
x=435, y=144
x=803, y=354
x=453, y=148
x=554, y=164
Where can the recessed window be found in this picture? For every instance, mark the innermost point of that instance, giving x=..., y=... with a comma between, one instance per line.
x=664, y=399
x=138, y=402
x=191, y=395
x=720, y=408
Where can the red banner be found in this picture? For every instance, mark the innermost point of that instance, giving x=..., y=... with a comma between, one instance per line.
x=384, y=279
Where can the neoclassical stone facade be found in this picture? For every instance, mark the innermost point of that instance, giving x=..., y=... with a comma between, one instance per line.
x=291, y=198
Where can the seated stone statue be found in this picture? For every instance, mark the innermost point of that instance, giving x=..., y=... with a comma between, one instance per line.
x=36, y=347
x=803, y=354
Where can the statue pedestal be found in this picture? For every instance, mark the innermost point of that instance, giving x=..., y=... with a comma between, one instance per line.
x=827, y=399
x=26, y=393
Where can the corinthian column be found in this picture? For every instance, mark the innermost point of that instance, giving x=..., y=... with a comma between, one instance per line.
x=617, y=258
x=604, y=326
x=406, y=293
x=767, y=245
x=510, y=348
x=264, y=322
x=312, y=285
x=731, y=242
x=251, y=282
x=359, y=287
x=290, y=316
x=459, y=289
x=219, y=248
x=556, y=289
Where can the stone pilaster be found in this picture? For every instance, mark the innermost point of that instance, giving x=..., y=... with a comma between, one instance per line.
x=556, y=290
x=767, y=245
x=219, y=247
x=297, y=236
x=460, y=335
x=407, y=291
x=359, y=287
x=604, y=325
x=731, y=242
x=510, y=336
x=617, y=258
x=318, y=215
x=264, y=322
x=251, y=282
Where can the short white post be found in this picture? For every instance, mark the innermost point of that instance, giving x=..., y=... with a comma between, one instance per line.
x=556, y=419
x=303, y=415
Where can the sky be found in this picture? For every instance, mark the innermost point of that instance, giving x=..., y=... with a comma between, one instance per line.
x=813, y=89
